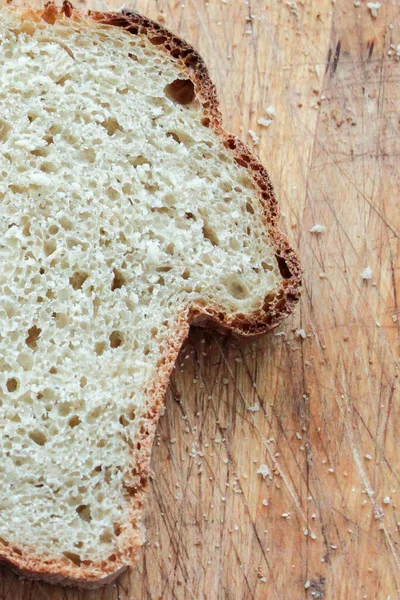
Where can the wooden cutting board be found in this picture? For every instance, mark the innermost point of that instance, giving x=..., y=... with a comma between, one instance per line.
x=320, y=407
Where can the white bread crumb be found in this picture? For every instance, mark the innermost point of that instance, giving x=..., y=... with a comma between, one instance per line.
x=317, y=228
x=264, y=471
x=264, y=122
x=301, y=333
x=374, y=7
x=367, y=273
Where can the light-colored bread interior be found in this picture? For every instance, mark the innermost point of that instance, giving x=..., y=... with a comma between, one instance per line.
x=118, y=209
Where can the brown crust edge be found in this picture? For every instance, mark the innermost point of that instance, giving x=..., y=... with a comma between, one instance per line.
x=275, y=309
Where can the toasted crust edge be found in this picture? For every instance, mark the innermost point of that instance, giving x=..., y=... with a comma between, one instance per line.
x=276, y=307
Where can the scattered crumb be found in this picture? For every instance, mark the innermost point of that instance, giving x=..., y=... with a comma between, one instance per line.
x=322, y=275
x=293, y=9
x=368, y=457
x=317, y=228
x=265, y=502
x=254, y=137
x=374, y=7
x=398, y=50
x=270, y=112
x=313, y=536
x=264, y=471
x=286, y=515
x=367, y=273
x=307, y=584
x=279, y=333
x=254, y=408
x=264, y=122
x=357, y=3
x=301, y=333
x=299, y=436
x=387, y=500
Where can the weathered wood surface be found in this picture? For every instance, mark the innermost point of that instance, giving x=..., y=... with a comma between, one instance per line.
x=328, y=418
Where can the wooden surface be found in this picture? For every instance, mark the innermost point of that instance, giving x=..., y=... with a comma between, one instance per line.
x=329, y=405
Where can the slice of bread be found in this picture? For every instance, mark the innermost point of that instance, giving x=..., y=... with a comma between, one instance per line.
x=126, y=214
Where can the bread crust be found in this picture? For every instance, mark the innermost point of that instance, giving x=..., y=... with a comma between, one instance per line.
x=276, y=306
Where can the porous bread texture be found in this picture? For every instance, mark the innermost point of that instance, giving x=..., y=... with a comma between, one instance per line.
x=119, y=210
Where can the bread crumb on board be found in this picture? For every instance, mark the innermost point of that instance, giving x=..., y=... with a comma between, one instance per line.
x=374, y=7
x=254, y=408
x=264, y=122
x=318, y=228
x=367, y=273
x=301, y=333
x=255, y=138
x=264, y=471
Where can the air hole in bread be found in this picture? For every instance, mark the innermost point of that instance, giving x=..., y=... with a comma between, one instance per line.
x=118, y=280
x=283, y=267
x=74, y=421
x=49, y=247
x=174, y=136
x=111, y=125
x=38, y=437
x=75, y=558
x=99, y=348
x=158, y=40
x=33, y=336
x=185, y=274
x=53, y=229
x=180, y=91
x=235, y=287
x=106, y=537
x=116, y=339
x=5, y=129
x=78, y=279
x=84, y=513
x=64, y=409
x=266, y=266
x=210, y=234
x=48, y=167
x=66, y=223
x=240, y=161
x=25, y=359
x=61, y=320
x=12, y=384
x=62, y=80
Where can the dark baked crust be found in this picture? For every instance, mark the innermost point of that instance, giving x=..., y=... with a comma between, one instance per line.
x=276, y=307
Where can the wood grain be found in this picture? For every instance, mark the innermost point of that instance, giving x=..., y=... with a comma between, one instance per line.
x=329, y=405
